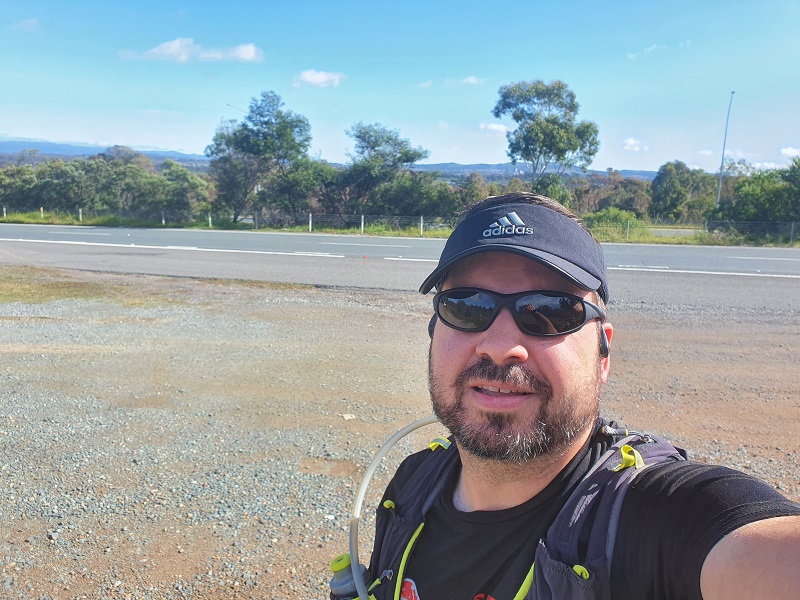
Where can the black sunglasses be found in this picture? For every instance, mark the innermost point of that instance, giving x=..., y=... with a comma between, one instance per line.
x=538, y=312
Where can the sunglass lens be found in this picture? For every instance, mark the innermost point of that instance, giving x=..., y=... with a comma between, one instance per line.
x=539, y=314
x=468, y=310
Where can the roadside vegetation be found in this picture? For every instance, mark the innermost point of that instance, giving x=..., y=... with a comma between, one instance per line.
x=261, y=176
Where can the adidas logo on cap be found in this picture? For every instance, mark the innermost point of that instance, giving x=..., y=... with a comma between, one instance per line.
x=511, y=224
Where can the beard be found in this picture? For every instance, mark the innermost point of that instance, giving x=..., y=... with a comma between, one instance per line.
x=512, y=438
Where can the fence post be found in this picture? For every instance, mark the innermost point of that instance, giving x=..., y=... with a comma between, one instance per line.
x=209, y=220
x=628, y=231
x=421, y=227
x=791, y=232
x=4, y=212
x=80, y=215
x=163, y=218
x=41, y=212
x=362, y=224
x=309, y=222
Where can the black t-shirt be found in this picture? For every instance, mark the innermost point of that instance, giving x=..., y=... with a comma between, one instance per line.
x=672, y=516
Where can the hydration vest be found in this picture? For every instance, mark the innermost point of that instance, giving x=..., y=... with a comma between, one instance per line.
x=563, y=568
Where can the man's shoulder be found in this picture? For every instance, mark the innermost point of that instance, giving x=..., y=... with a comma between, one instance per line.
x=713, y=489
x=674, y=513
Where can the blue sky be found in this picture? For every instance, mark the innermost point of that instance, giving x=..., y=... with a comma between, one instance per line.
x=655, y=76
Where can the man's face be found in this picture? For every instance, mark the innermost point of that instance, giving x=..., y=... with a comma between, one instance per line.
x=506, y=395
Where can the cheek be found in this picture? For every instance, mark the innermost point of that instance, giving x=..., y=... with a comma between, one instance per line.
x=450, y=354
x=448, y=343
x=572, y=357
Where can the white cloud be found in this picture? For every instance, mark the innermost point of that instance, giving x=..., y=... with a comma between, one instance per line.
x=183, y=50
x=320, y=78
x=497, y=128
x=27, y=25
x=790, y=152
x=648, y=50
x=471, y=80
x=633, y=145
x=706, y=152
x=179, y=50
x=765, y=166
x=243, y=52
x=425, y=84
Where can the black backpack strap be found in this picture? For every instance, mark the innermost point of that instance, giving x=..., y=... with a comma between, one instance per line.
x=400, y=517
x=584, y=532
x=427, y=480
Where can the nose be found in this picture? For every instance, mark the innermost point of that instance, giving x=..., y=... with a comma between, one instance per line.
x=503, y=342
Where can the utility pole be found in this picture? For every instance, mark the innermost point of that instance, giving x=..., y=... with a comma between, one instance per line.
x=724, y=142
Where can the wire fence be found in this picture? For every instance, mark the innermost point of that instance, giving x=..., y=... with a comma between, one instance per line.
x=351, y=223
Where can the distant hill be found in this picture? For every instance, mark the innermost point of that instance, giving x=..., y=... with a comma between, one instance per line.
x=450, y=171
x=507, y=170
x=78, y=150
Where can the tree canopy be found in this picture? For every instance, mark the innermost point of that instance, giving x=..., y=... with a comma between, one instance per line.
x=547, y=133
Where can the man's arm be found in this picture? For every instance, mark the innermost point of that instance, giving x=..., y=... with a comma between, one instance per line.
x=758, y=560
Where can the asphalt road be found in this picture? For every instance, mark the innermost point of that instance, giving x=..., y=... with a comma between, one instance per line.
x=743, y=276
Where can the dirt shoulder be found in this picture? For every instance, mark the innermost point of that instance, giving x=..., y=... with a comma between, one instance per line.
x=173, y=438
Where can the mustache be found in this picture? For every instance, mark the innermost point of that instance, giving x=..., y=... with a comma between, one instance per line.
x=510, y=375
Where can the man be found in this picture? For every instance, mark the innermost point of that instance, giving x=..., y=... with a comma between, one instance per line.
x=519, y=352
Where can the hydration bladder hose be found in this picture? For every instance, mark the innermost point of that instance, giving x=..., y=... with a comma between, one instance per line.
x=363, y=594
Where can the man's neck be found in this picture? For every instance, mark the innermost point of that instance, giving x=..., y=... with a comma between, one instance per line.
x=492, y=485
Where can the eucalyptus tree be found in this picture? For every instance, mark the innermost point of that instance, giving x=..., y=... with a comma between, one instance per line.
x=236, y=173
x=379, y=156
x=270, y=144
x=548, y=136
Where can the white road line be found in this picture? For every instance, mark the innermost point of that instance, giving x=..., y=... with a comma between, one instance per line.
x=190, y=248
x=645, y=269
x=78, y=233
x=411, y=259
x=761, y=258
x=642, y=267
x=367, y=245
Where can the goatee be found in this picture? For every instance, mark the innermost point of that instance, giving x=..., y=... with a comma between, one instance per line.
x=508, y=437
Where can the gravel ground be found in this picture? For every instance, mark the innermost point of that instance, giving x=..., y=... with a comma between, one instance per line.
x=173, y=438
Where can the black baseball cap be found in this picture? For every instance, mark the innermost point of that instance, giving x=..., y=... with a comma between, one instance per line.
x=530, y=230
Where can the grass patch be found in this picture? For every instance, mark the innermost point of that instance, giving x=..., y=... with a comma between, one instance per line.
x=376, y=230
x=643, y=237
x=258, y=285
x=37, y=285
x=35, y=218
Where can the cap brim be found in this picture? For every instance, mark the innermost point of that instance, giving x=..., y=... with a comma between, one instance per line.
x=562, y=267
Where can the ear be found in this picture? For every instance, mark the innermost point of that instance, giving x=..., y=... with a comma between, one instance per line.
x=431, y=325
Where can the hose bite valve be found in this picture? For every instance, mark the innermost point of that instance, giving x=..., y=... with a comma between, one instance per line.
x=343, y=584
